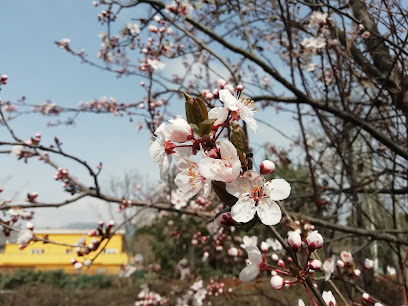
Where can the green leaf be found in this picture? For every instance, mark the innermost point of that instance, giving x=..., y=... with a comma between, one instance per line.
x=195, y=128
x=205, y=127
x=196, y=110
x=238, y=138
x=225, y=197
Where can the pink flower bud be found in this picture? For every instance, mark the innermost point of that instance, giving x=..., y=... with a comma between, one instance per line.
x=281, y=263
x=294, y=240
x=357, y=272
x=275, y=257
x=315, y=264
x=152, y=28
x=101, y=223
x=366, y=296
x=240, y=87
x=264, y=247
x=30, y=226
x=340, y=264
x=222, y=83
x=233, y=252
x=368, y=264
x=225, y=219
x=92, y=233
x=314, y=241
x=111, y=223
x=267, y=167
x=277, y=282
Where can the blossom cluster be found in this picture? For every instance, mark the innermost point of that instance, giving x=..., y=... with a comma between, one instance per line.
x=222, y=161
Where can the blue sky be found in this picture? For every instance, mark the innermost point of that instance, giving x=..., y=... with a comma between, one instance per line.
x=41, y=71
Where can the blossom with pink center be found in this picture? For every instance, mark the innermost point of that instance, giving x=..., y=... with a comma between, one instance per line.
x=346, y=257
x=311, y=44
x=255, y=196
x=240, y=108
x=365, y=34
x=225, y=169
x=155, y=64
x=251, y=271
x=317, y=19
x=190, y=180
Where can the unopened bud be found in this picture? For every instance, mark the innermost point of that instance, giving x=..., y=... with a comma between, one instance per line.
x=368, y=264
x=314, y=241
x=275, y=257
x=87, y=262
x=357, y=272
x=267, y=167
x=315, y=264
x=277, y=282
x=295, y=241
x=92, y=233
x=30, y=226
x=78, y=265
x=281, y=263
x=111, y=223
x=340, y=264
x=225, y=219
x=366, y=296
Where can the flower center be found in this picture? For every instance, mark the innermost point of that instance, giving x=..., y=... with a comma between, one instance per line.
x=257, y=193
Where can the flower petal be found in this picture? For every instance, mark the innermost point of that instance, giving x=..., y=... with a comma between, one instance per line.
x=236, y=187
x=254, y=254
x=243, y=210
x=228, y=150
x=208, y=167
x=249, y=273
x=277, y=189
x=229, y=100
x=269, y=212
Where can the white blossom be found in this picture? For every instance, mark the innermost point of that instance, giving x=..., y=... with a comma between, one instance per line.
x=225, y=169
x=255, y=196
x=240, y=108
x=251, y=271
